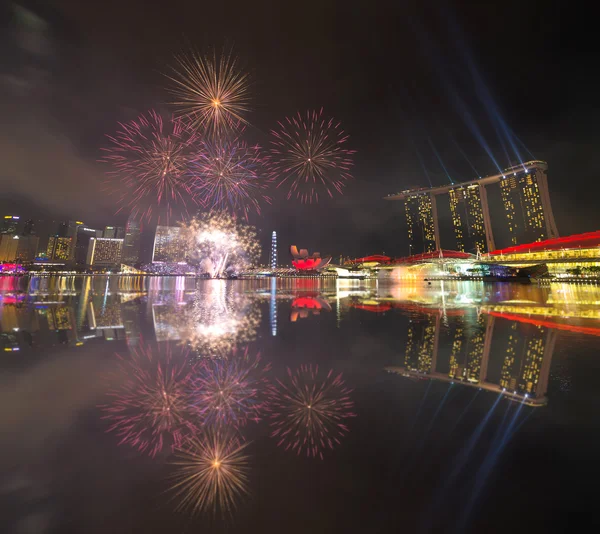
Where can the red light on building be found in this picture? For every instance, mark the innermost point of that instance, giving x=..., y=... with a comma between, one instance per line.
x=303, y=262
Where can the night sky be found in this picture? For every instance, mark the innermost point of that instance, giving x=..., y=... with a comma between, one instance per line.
x=394, y=74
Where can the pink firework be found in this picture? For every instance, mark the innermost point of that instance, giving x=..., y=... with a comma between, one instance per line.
x=308, y=156
x=308, y=413
x=229, y=175
x=228, y=391
x=152, y=408
x=150, y=158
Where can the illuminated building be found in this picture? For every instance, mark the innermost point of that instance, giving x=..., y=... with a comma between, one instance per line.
x=273, y=258
x=9, y=225
x=59, y=248
x=303, y=262
x=561, y=255
x=526, y=200
x=8, y=247
x=467, y=219
x=421, y=220
x=104, y=252
x=456, y=197
x=131, y=244
x=169, y=245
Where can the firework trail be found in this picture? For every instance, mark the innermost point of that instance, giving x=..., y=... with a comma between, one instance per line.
x=211, y=473
x=150, y=158
x=308, y=156
x=218, y=243
x=152, y=408
x=228, y=391
x=228, y=175
x=210, y=92
x=308, y=413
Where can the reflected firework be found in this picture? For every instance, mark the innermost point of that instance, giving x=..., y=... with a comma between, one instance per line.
x=217, y=321
x=219, y=244
x=228, y=175
x=211, y=474
x=150, y=158
x=152, y=408
x=308, y=413
x=228, y=391
x=308, y=156
x=211, y=93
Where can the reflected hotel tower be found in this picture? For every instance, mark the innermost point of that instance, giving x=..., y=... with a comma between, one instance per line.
x=486, y=353
x=525, y=198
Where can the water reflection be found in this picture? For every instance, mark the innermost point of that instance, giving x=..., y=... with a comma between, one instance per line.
x=308, y=304
x=309, y=410
x=213, y=320
x=223, y=429
x=151, y=407
x=211, y=473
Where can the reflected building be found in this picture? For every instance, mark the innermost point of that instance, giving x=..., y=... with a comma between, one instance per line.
x=517, y=362
x=422, y=342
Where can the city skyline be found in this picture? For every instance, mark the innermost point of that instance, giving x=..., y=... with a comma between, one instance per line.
x=436, y=125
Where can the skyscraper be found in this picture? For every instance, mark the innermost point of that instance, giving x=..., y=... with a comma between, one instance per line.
x=526, y=200
x=527, y=205
x=110, y=232
x=421, y=223
x=60, y=248
x=131, y=244
x=29, y=227
x=9, y=225
x=169, y=246
x=273, y=259
x=104, y=252
x=84, y=234
x=467, y=219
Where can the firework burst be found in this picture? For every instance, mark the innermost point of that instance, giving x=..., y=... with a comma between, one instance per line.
x=152, y=409
x=150, y=158
x=228, y=175
x=211, y=473
x=308, y=413
x=210, y=92
x=228, y=391
x=219, y=243
x=308, y=156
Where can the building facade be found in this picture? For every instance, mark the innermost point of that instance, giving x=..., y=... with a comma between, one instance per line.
x=131, y=243
x=421, y=222
x=15, y=248
x=10, y=224
x=527, y=210
x=169, y=245
x=104, y=252
x=84, y=234
x=60, y=249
